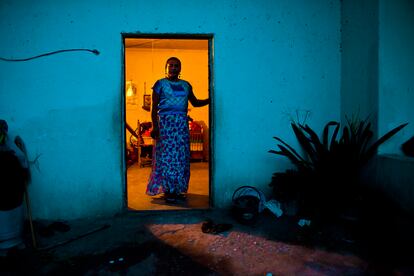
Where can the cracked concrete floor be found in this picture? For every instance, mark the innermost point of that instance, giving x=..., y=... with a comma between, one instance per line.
x=172, y=243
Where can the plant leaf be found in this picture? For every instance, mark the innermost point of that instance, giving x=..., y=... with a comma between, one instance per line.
x=297, y=162
x=304, y=141
x=325, y=138
x=334, y=135
x=373, y=148
x=345, y=136
x=285, y=152
x=366, y=136
x=320, y=151
x=290, y=148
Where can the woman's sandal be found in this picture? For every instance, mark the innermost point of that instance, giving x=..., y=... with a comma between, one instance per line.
x=170, y=198
x=181, y=197
x=211, y=228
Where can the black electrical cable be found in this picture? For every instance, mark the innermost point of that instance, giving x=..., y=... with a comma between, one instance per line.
x=94, y=51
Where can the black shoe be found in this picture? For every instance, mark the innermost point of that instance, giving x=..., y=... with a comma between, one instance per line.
x=170, y=198
x=211, y=228
x=181, y=197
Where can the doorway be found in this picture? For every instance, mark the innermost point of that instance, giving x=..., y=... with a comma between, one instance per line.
x=145, y=59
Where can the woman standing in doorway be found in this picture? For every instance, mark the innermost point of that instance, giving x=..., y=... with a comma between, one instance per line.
x=171, y=160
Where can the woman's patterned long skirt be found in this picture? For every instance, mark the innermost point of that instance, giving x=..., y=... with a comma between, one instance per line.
x=171, y=158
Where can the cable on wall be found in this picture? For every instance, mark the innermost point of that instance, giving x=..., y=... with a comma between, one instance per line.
x=94, y=51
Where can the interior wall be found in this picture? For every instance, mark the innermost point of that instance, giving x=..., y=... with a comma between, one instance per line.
x=145, y=66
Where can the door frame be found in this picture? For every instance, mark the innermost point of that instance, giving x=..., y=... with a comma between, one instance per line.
x=210, y=38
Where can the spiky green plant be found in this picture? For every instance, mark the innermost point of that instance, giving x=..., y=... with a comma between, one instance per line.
x=353, y=146
x=333, y=162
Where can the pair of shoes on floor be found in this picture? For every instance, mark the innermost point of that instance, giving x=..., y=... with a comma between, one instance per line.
x=210, y=227
x=173, y=198
x=181, y=197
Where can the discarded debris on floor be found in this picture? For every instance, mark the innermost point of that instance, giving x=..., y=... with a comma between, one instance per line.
x=174, y=243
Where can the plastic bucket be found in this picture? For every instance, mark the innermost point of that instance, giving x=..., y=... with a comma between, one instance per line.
x=11, y=227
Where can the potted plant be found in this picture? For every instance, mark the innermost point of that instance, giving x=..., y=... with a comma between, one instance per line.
x=289, y=189
x=326, y=178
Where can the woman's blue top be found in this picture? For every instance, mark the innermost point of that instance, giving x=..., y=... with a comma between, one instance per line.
x=173, y=96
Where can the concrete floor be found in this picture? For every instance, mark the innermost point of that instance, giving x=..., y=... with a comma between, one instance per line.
x=197, y=196
x=172, y=243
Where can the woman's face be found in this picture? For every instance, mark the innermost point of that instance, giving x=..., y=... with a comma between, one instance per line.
x=173, y=69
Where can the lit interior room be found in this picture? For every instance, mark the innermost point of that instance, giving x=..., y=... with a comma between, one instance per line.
x=145, y=60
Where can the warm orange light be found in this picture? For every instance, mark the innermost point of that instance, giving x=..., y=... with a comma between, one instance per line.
x=130, y=90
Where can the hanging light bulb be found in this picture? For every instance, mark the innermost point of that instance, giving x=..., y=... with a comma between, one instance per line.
x=130, y=89
x=131, y=93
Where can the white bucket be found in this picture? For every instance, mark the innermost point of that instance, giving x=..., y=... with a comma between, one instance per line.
x=11, y=227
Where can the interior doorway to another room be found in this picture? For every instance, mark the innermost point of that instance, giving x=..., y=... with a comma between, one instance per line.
x=145, y=59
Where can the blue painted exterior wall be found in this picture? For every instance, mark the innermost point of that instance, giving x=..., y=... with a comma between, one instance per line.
x=359, y=60
x=396, y=71
x=271, y=61
x=395, y=172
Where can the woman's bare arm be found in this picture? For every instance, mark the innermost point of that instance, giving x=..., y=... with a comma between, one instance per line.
x=196, y=102
x=154, y=115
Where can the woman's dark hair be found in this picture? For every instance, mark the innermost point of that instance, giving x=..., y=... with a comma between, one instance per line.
x=172, y=58
x=168, y=60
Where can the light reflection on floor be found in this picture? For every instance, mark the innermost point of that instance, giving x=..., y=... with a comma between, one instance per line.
x=241, y=253
x=197, y=197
